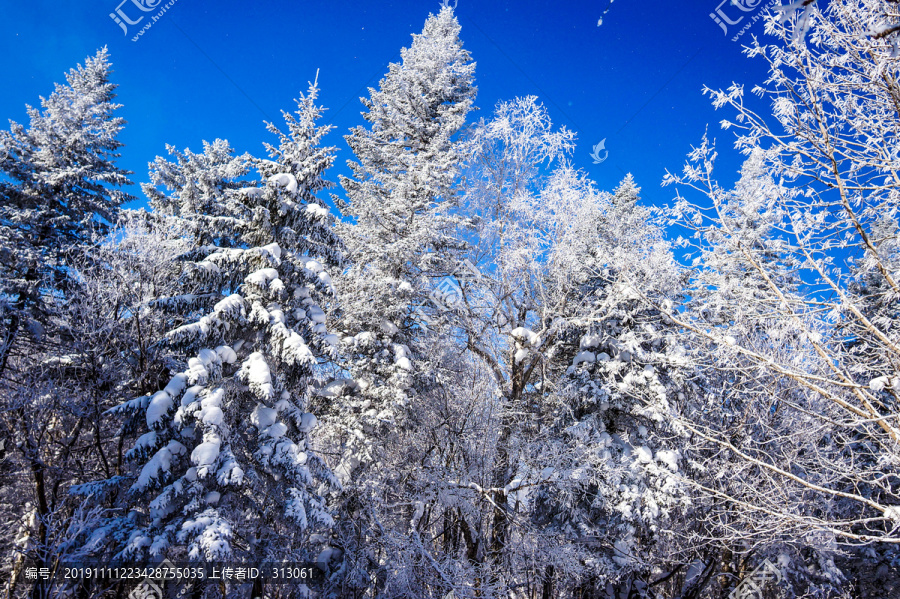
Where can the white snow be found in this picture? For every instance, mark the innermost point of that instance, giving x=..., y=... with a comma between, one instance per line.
x=206, y=453
x=263, y=417
x=293, y=348
x=286, y=180
x=253, y=192
x=892, y=513
x=256, y=372
x=197, y=373
x=226, y=354
x=669, y=458
x=364, y=338
x=262, y=277
x=145, y=441
x=230, y=307
x=176, y=385
x=274, y=250
x=317, y=211
x=584, y=357
x=590, y=341
x=644, y=454
x=212, y=416
x=623, y=549
x=307, y=422
x=277, y=430
x=512, y=486
x=315, y=314
x=878, y=384
x=524, y=336
x=160, y=463
x=389, y=327
x=190, y=395
x=160, y=404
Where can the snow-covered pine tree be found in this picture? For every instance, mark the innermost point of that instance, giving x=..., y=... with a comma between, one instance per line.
x=400, y=238
x=226, y=469
x=400, y=197
x=563, y=268
x=61, y=188
x=612, y=377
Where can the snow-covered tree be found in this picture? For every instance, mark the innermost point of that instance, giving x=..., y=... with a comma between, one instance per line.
x=226, y=467
x=792, y=303
x=59, y=187
x=518, y=389
x=400, y=197
x=613, y=377
x=110, y=346
x=588, y=359
x=506, y=480
x=400, y=236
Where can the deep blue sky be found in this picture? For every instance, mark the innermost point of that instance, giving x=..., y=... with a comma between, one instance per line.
x=218, y=69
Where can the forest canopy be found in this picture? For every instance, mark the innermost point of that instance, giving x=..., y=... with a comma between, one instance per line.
x=462, y=370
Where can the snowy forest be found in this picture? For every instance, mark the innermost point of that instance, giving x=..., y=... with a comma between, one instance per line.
x=463, y=371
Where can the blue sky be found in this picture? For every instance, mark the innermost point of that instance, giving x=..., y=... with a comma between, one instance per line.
x=219, y=69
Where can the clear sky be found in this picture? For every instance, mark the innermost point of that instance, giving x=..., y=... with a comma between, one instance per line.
x=219, y=69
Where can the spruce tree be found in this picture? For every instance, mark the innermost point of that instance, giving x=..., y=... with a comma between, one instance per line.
x=226, y=468
x=400, y=239
x=616, y=376
x=61, y=188
x=400, y=196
